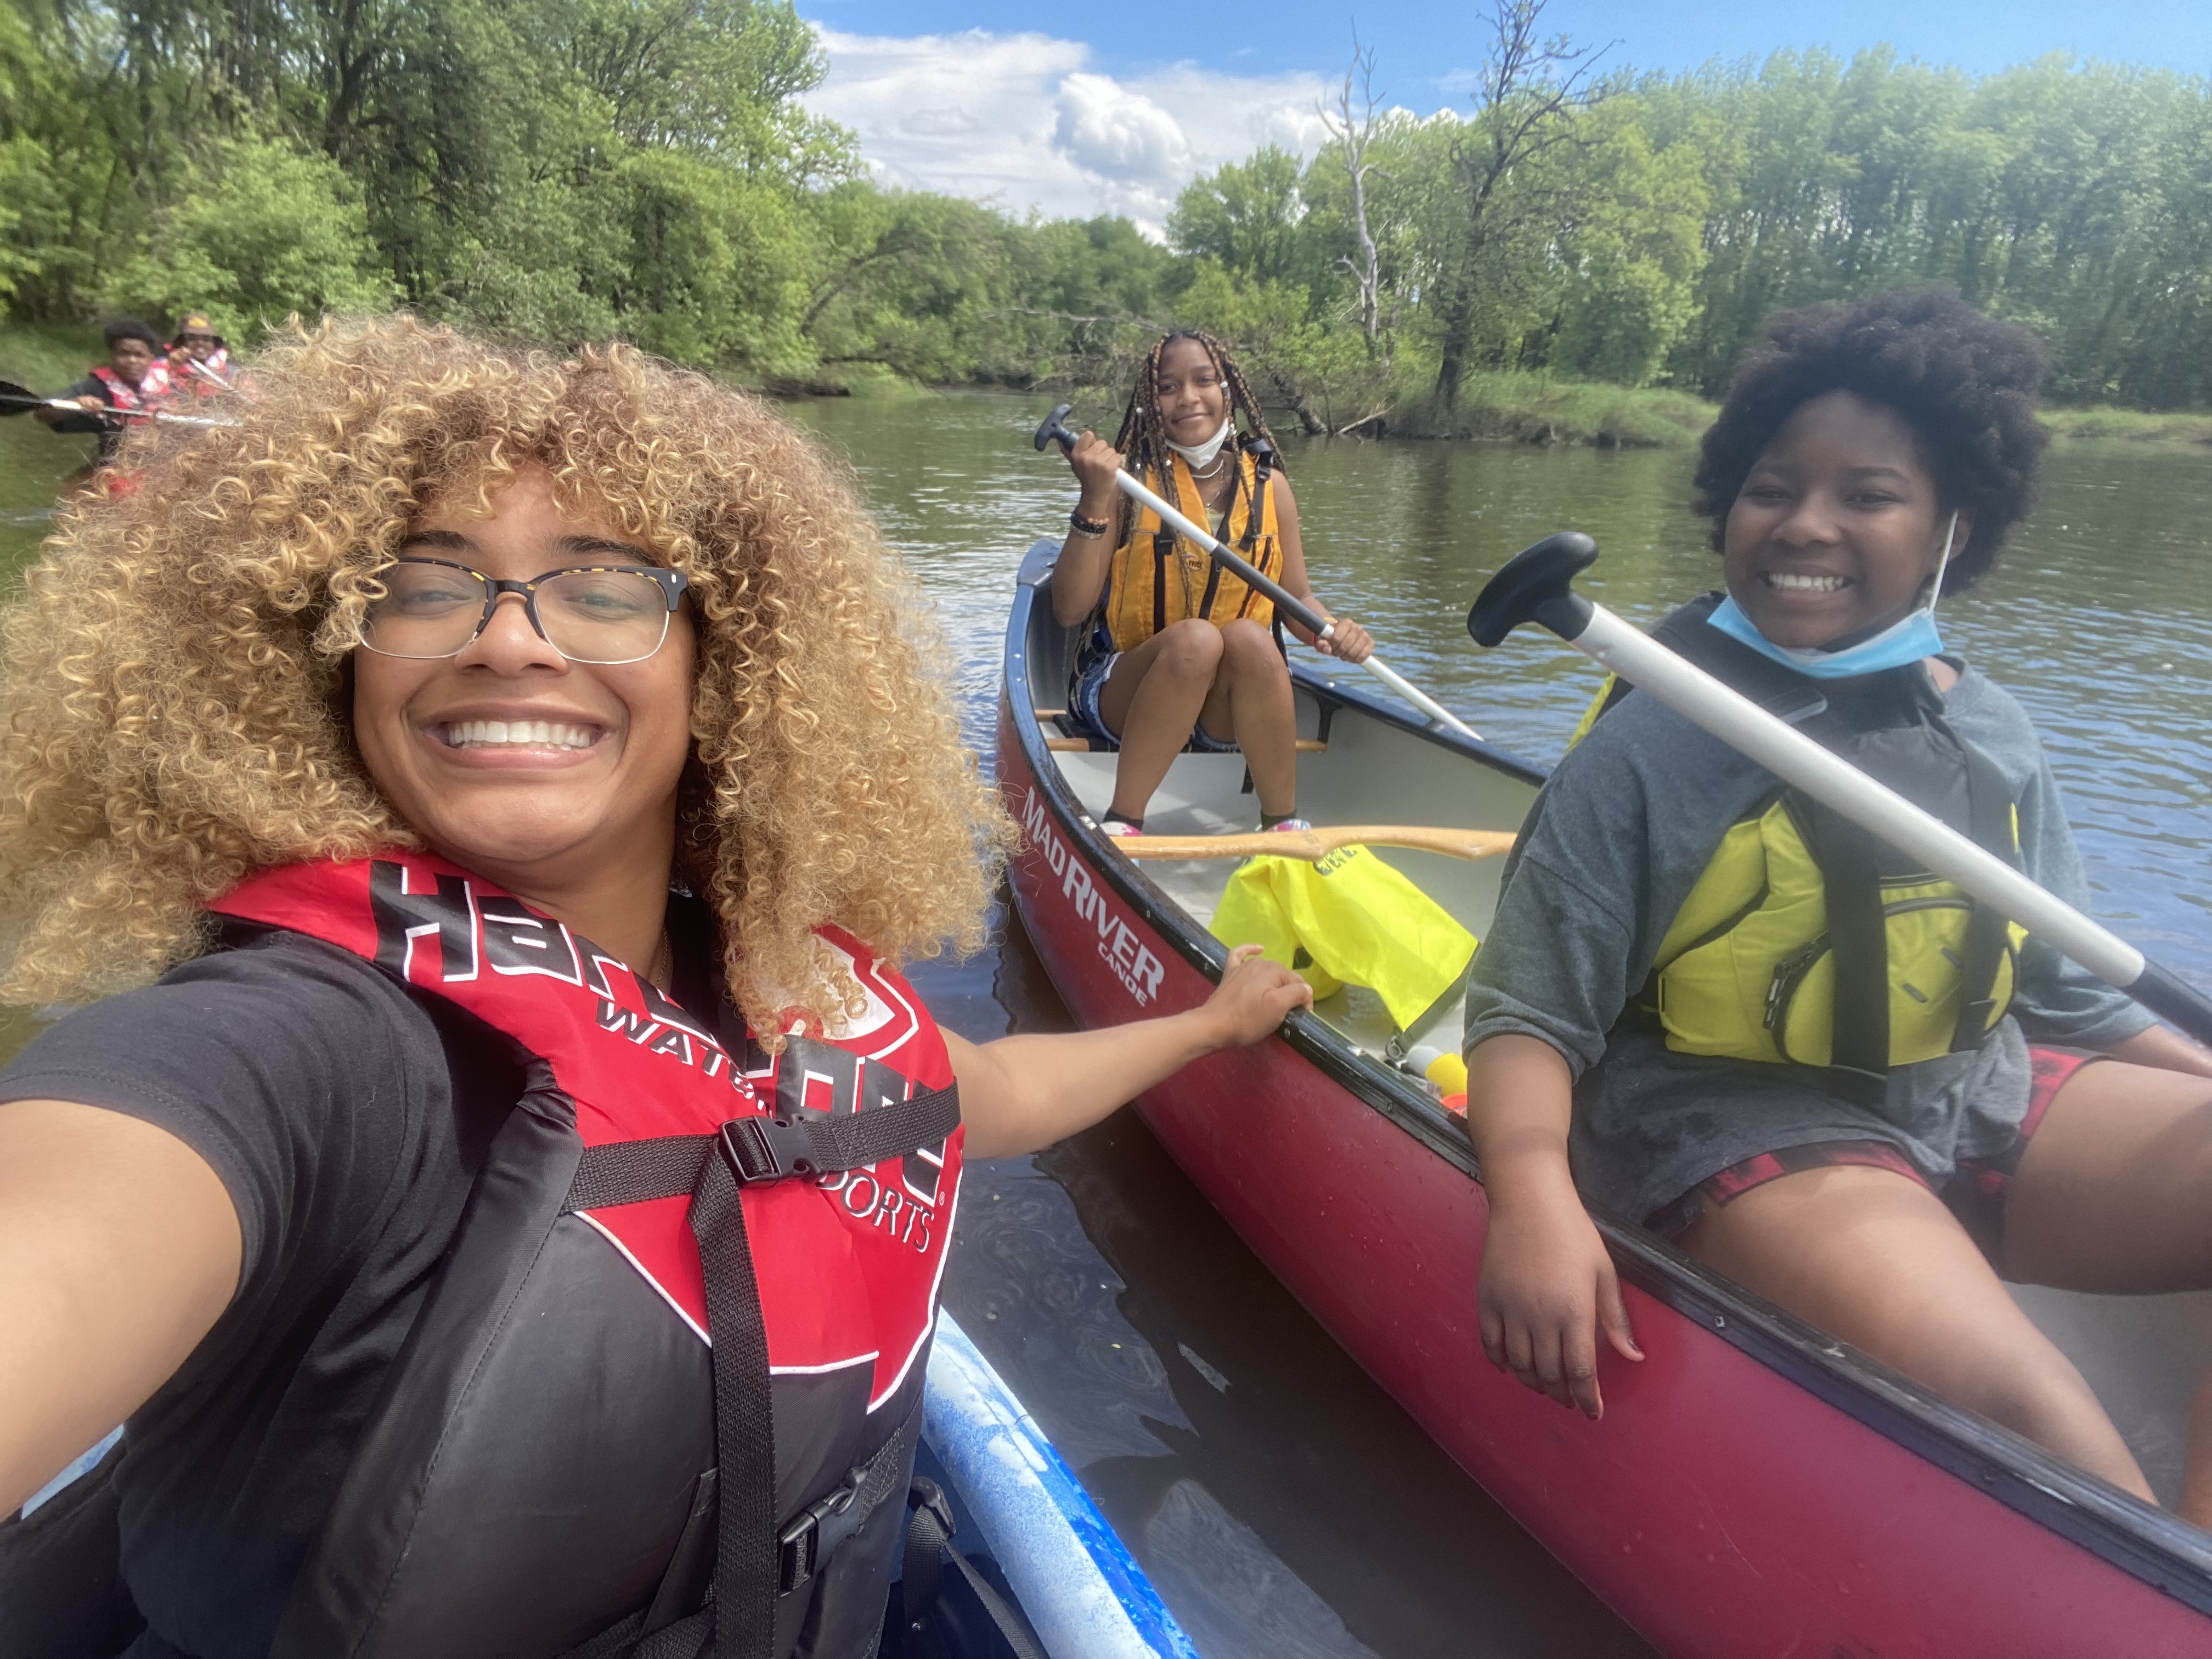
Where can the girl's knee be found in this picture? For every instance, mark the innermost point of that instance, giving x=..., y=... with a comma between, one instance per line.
x=1193, y=646
x=2039, y=1395
x=1247, y=646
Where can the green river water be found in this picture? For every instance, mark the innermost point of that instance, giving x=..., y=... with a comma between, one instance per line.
x=1285, y=1505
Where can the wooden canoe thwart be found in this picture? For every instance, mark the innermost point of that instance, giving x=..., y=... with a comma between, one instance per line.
x=1756, y=1486
x=1082, y=745
x=1320, y=842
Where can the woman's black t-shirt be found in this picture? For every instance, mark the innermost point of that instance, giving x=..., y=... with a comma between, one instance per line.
x=347, y=1119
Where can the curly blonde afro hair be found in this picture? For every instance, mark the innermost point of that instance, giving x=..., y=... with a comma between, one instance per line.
x=173, y=714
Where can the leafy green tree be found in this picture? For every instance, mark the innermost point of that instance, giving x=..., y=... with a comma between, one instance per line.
x=562, y=170
x=1532, y=90
x=1630, y=254
x=1248, y=217
x=267, y=230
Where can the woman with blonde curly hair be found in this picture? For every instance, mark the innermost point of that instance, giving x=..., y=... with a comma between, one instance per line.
x=491, y=794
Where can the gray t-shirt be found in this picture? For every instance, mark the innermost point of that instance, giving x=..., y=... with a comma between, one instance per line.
x=1621, y=833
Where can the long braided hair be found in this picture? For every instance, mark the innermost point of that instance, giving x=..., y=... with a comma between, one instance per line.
x=1143, y=439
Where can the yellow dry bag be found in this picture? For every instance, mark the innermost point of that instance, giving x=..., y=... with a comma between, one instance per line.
x=1349, y=918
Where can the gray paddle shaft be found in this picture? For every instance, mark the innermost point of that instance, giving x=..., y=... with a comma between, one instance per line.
x=1796, y=759
x=1537, y=585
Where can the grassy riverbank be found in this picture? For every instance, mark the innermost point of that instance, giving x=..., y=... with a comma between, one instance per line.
x=1521, y=407
x=47, y=356
x=1497, y=405
x=2137, y=426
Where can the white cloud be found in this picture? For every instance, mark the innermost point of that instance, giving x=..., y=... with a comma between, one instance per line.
x=1019, y=120
x=1108, y=130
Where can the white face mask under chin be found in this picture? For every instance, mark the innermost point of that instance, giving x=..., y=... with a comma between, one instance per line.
x=1198, y=457
x=1907, y=640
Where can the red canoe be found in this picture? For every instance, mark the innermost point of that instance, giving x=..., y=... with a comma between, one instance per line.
x=1755, y=1487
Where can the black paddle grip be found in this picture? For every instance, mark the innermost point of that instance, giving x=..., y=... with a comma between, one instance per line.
x=1054, y=428
x=1536, y=584
x=2174, y=999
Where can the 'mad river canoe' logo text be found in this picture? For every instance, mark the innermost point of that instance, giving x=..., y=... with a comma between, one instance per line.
x=1119, y=948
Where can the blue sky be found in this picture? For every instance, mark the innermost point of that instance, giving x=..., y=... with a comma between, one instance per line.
x=1113, y=108
x=1428, y=39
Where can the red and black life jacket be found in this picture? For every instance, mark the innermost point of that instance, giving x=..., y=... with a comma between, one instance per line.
x=678, y=1341
x=153, y=386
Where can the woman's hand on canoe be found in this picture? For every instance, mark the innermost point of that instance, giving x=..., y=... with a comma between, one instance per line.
x=1255, y=996
x=1021, y=1093
x=1548, y=1289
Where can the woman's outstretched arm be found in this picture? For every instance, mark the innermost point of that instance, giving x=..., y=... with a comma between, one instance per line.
x=119, y=1248
x=1022, y=1093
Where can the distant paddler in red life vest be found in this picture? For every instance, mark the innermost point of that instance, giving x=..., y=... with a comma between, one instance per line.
x=133, y=379
x=199, y=358
x=498, y=1177
x=1179, y=653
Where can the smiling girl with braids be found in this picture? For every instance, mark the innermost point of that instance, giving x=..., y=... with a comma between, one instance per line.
x=1181, y=653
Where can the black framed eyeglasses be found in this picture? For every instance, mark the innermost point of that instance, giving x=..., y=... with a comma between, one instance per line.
x=602, y=614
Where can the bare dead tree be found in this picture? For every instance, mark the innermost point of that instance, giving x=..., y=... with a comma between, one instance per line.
x=1352, y=135
x=1531, y=90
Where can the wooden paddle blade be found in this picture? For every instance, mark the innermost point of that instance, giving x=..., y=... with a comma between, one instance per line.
x=1319, y=843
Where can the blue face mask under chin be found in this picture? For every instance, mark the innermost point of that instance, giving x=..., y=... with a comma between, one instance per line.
x=1906, y=641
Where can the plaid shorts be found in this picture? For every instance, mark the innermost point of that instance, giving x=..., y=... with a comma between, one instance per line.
x=1975, y=1192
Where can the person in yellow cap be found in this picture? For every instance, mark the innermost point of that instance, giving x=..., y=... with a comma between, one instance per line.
x=199, y=357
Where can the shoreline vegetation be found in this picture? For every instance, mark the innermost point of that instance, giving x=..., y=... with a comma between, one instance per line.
x=1576, y=252
x=1521, y=406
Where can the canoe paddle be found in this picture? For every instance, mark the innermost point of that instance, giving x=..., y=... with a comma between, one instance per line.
x=1537, y=585
x=1054, y=430
x=20, y=400
x=194, y=366
x=1315, y=844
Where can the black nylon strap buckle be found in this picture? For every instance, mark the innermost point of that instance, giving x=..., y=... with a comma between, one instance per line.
x=925, y=1493
x=762, y=1149
x=800, y=1550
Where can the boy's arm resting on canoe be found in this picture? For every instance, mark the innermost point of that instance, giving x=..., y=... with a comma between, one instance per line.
x=1347, y=641
x=119, y=1248
x=1022, y=1093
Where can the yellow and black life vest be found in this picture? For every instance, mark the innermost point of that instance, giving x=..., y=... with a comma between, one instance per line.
x=1158, y=578
x=1809, y=941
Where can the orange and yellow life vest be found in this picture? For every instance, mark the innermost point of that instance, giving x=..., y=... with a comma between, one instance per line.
x=1158, y=578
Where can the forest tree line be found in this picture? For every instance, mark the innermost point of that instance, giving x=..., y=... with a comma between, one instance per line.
x=563, y=170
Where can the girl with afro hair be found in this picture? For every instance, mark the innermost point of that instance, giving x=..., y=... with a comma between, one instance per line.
x=1710, y=1005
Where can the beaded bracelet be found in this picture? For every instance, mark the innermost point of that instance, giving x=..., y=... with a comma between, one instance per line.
x=1086, y=527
